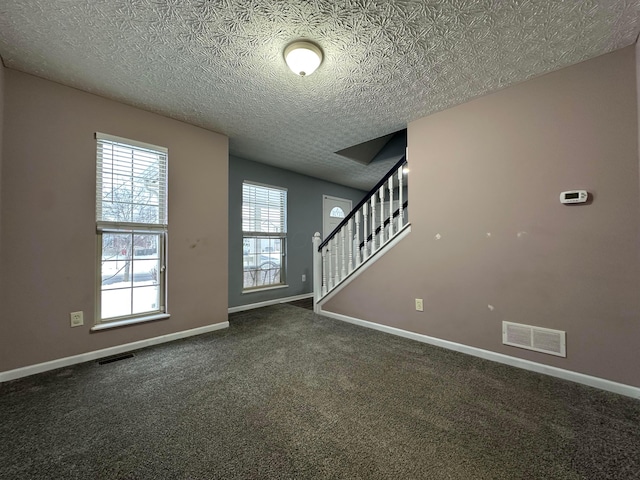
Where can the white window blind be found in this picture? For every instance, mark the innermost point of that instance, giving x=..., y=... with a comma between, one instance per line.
x=131, y=183
x=131, y=214
x=263, y=210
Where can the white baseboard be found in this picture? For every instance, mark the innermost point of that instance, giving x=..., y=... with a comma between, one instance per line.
x=106, y=352
x=275, y=301
x=596, y=382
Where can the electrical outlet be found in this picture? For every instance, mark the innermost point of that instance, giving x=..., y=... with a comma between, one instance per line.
x=304, y=277
x=76, y=319
x=419, y=305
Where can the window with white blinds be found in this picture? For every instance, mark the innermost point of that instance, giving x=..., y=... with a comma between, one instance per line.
x=131, y=182
x=264, y=229
x=131, y=218
x=263, y=209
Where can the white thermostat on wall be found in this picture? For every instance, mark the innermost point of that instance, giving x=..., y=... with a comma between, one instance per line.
x=574, y=196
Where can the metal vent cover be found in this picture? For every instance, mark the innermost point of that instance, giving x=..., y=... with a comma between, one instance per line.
x=115, y=358
x=538, y=339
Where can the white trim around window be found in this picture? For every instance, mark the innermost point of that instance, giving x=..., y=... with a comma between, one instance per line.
x=264, y=237
x=131, y=229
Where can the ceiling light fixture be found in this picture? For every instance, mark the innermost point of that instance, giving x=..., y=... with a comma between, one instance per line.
x=303, y=57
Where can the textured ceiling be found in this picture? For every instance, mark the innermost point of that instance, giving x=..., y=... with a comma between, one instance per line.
x=218, y=63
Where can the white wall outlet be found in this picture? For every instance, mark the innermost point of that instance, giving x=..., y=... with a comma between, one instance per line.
x=304, y=277
x=76, y=319
x=419, y=305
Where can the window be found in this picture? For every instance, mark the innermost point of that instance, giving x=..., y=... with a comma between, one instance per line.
x=264, y=227
x=131, y=217
x=336, y=212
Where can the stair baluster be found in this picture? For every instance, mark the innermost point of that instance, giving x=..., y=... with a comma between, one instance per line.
x=391, y=206
x=324, y=270
x=381, y=193
x=343, y=257
x=336, y=257
x=373, y=224
x=357, y=252
x=350, y=238
x=400, y=199
x=365, y=251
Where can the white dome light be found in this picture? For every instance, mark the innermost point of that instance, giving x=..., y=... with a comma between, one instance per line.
x=303, y=58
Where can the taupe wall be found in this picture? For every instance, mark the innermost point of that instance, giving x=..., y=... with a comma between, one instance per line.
x=496, y=166
x=1, y=133
x=48, y=220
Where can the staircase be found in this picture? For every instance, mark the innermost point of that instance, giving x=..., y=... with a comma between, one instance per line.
x=368, y=230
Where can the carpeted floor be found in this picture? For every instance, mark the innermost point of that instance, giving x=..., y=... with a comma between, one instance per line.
x=286, y=394
x=304, y=303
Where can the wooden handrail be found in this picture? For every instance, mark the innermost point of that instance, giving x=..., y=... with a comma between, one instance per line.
x=366, y=198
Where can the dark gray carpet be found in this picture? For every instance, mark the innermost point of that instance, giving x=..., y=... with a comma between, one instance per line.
x=284, y=393
x=304, y=303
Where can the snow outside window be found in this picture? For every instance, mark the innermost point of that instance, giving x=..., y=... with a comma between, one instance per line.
x=131, y=217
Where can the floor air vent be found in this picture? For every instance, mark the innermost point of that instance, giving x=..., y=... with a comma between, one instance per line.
x=538, y=339
x=115, y=358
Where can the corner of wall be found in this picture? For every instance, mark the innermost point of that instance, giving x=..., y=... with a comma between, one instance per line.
x=637, y=47
x=1, y=149
x=637, y=50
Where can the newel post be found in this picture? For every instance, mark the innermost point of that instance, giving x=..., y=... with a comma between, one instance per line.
x=317, y=271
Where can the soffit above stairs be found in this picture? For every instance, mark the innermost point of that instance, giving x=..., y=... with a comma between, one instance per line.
x=365, y=152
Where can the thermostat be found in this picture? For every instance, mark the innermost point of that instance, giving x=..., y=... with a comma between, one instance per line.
x=574, y=196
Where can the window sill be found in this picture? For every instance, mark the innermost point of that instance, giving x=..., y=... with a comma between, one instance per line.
x=129, y=321
x=264, y=289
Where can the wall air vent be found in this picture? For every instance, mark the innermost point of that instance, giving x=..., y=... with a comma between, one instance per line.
x=538, y=339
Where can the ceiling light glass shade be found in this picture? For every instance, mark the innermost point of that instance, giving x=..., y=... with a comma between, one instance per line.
x=303, y=58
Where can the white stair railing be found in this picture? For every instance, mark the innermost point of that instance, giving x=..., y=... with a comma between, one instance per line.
x=373, y=223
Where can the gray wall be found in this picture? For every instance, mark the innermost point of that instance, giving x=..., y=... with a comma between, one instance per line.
x=497, y=165
x=304, y=218
x=394, y=149
x=48, y=256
